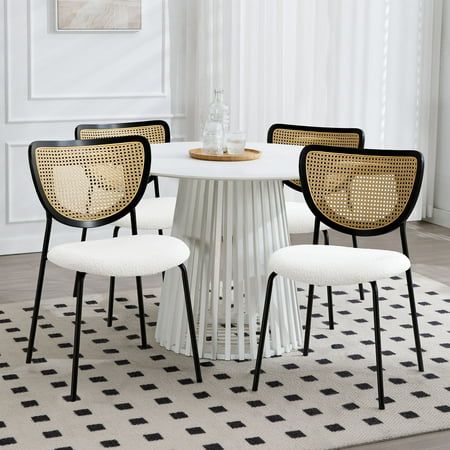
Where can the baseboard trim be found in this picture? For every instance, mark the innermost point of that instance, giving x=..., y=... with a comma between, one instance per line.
x=33, y=244
x=440, y=217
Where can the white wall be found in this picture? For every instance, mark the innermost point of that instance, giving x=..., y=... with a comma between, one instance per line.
x=51, y=81
x=441, y=211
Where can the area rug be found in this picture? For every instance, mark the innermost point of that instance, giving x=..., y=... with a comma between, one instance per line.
x=136, y=399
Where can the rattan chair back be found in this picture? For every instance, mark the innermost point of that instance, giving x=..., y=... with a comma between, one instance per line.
x=280, y=133
x=155, y=131
x=365, y=192
x=90, y=183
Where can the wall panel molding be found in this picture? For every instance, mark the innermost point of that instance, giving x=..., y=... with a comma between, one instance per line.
x=11, y=216
x=84, y=96
x=146, y=83
x=6, y=52
x=102, y=118
x=159, y=97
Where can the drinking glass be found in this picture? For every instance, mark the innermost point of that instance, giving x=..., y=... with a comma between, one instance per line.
x=213, y=138
x=236, y=142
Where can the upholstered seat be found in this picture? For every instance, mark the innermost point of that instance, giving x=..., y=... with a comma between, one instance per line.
x=300, y=219
x=127, y=256
x=154, y=213
x=325, y=265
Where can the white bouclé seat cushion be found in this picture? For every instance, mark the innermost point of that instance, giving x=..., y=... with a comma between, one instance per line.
x=152, y=214
x=127, y=256
x=330, y=265
x=300, y=219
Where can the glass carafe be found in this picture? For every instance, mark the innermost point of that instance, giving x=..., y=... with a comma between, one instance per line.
x=219, y=111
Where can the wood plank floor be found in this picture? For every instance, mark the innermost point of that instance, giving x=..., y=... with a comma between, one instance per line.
x=430, y=253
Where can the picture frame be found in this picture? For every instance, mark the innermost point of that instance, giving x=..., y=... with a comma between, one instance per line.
x=98, y=15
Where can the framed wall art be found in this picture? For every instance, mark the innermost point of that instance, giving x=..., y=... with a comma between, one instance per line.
x=98, y=15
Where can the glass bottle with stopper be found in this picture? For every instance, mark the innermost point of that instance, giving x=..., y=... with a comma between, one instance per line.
x=217, y=125
x=219, y=111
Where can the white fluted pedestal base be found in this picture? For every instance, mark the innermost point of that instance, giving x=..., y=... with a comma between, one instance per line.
x=232, y=228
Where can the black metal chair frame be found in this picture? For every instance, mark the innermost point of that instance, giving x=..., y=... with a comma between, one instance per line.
x=399, y=223
x=151, y=178
x=298, y=188
x=51, y=214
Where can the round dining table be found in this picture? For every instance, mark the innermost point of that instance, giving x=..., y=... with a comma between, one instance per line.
x=232, y=216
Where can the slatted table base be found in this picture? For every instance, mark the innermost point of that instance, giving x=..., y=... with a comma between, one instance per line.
x=231, y=227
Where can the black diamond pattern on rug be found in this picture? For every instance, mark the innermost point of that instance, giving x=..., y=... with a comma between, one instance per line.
x=147, y=398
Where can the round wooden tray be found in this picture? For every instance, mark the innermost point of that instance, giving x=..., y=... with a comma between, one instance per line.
x=248, y=155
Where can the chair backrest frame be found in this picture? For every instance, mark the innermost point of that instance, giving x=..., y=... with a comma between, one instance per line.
x=142, y=123
x=293, y=184
x=79, y=223
x=401, y=218
x=145, y=123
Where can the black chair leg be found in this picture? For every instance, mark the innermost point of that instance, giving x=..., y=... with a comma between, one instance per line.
x=37, y=303
x=38, y=296
x=326, y=240
x=412, y=305
x=308, y=320
x=156, y=186
x=190, y=317
x=83, y=238
x=263, y=331
x=76, y=340
x=140, y=297
x=379, y=364
x=360, y=286
x=112, y=284
x=330, y=308
x=163, y=274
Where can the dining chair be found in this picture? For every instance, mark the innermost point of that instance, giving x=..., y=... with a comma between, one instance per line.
x=88, y=184
x=362, y=193
x=299, y=217
x=152, y=213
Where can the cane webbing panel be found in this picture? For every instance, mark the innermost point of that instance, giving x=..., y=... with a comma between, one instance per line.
x=307, y=137
x=90, y=182
x=363, y=192
x=155, y=134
